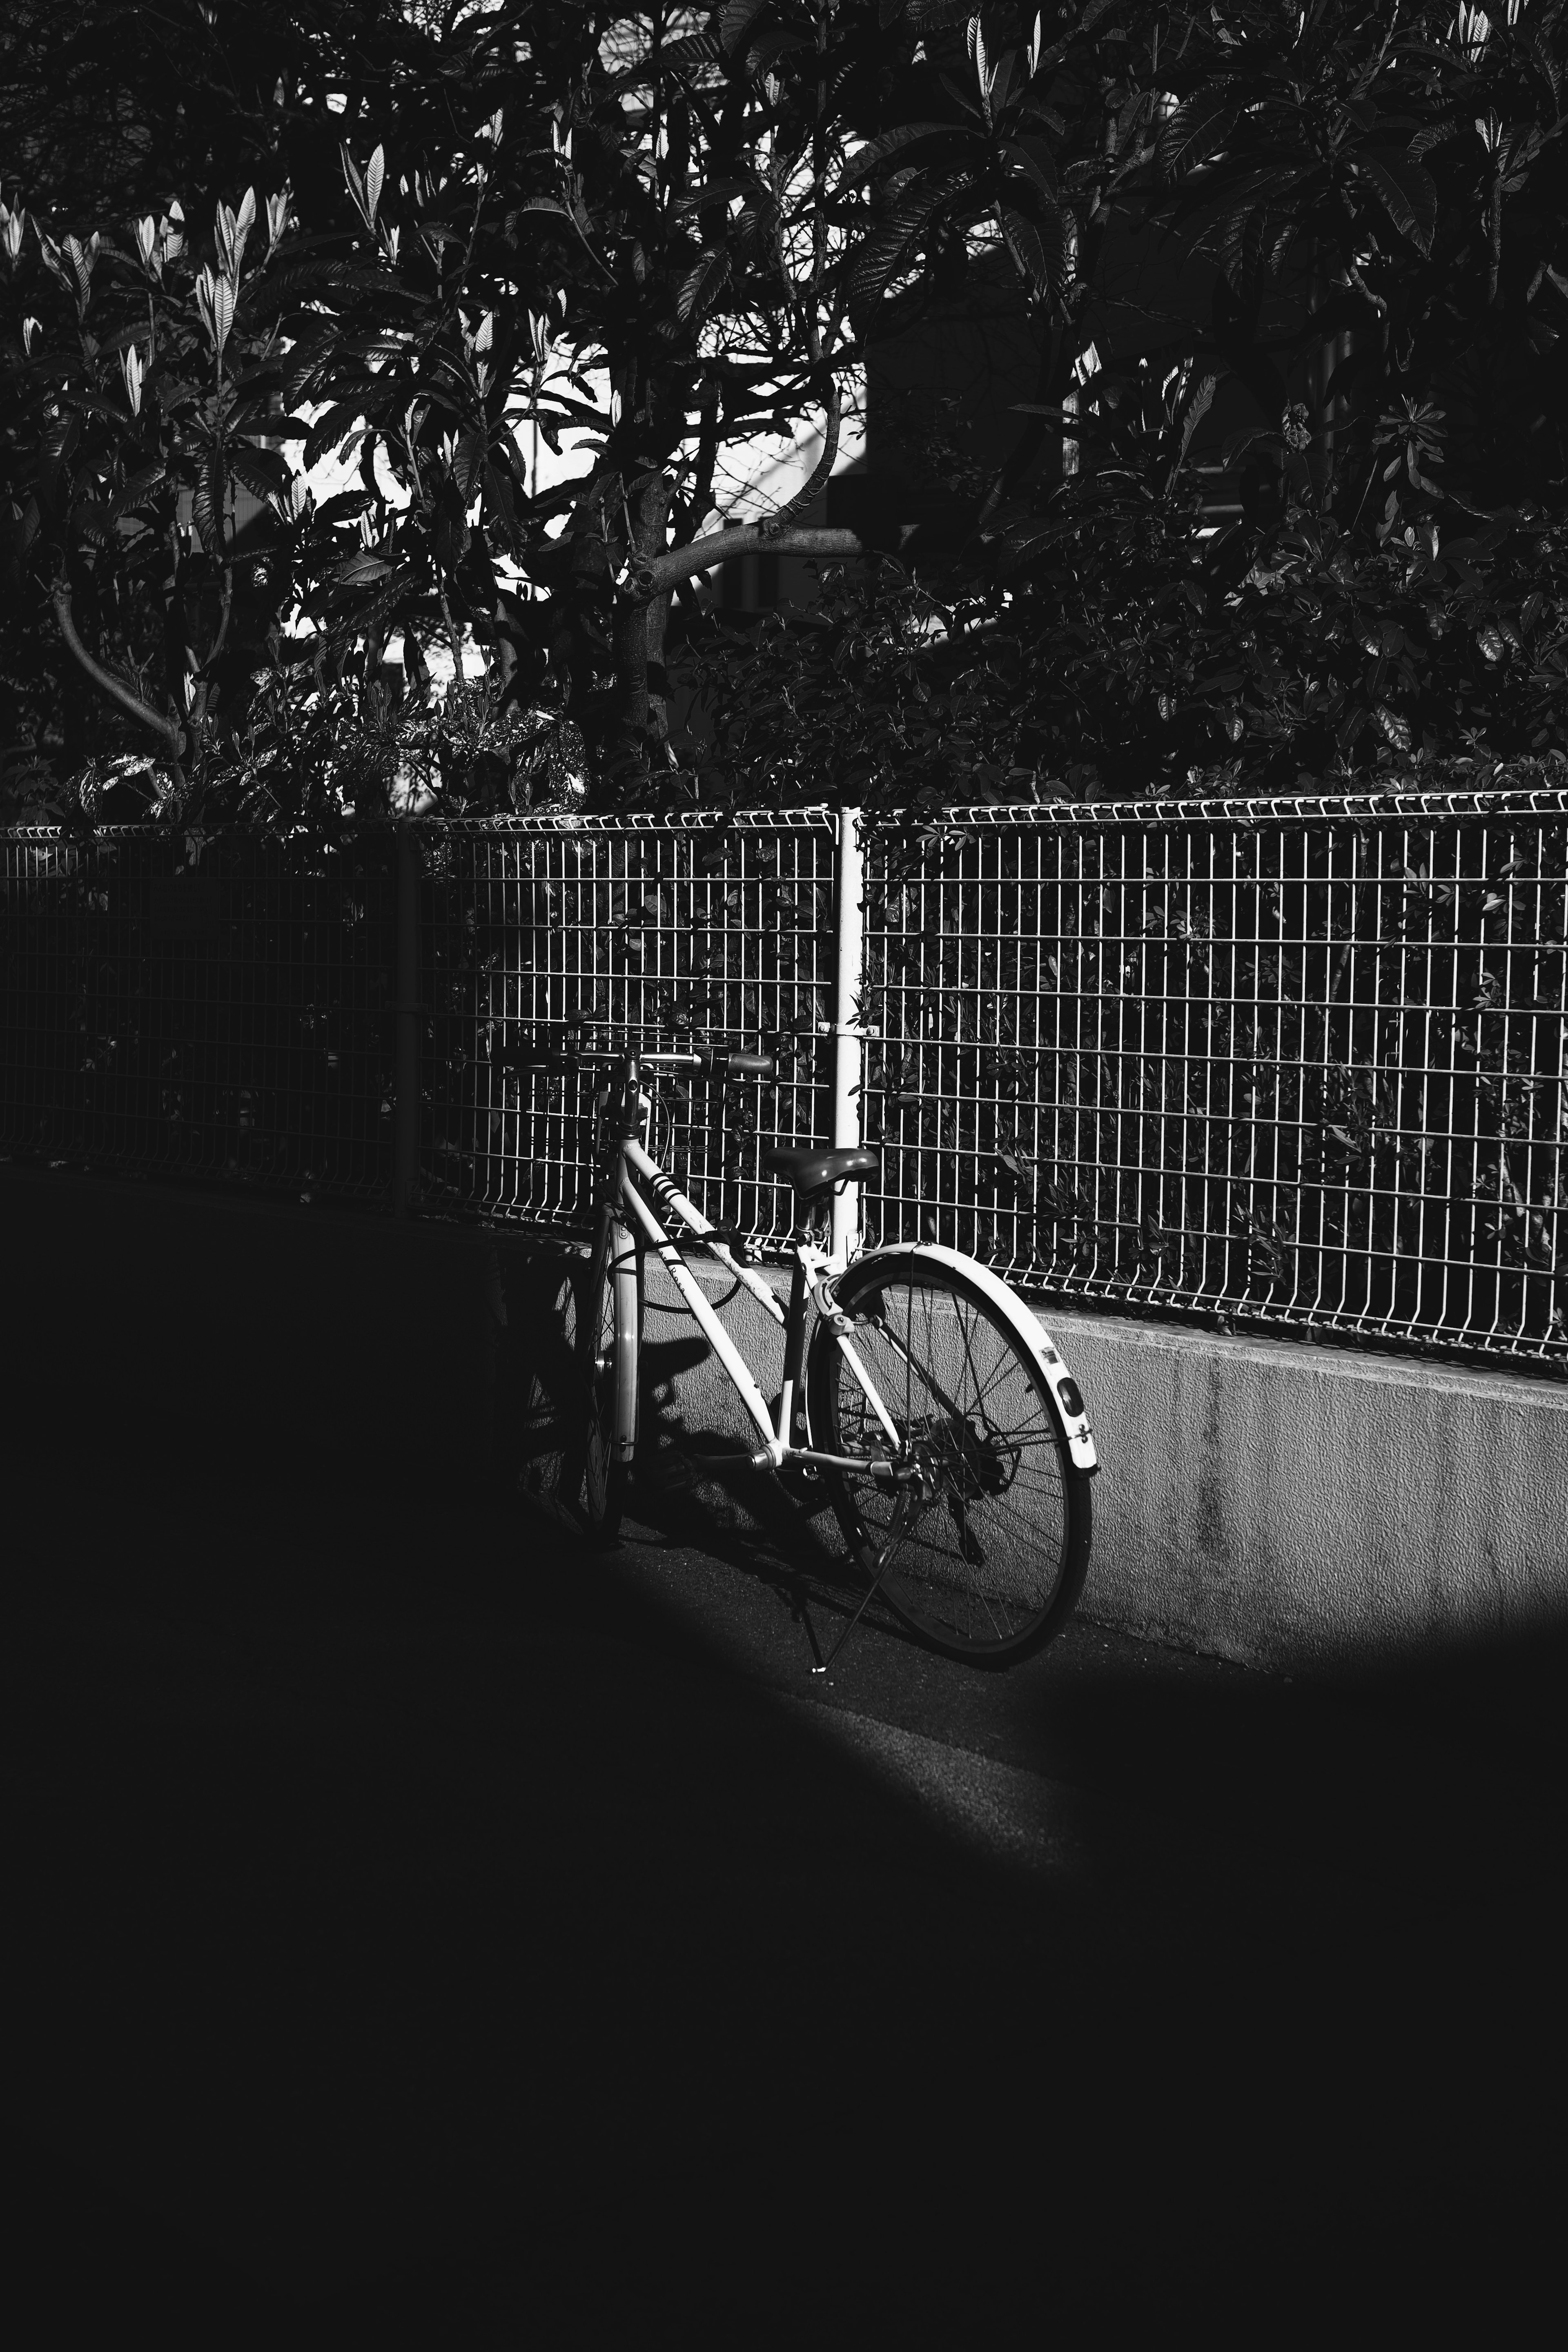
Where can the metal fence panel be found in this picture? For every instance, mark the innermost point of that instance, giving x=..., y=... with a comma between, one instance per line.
x=649, y=926
x=217, y=1010
x=1298, y=1065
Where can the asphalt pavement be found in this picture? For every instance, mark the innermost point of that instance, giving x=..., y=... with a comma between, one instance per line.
x=429, y=1926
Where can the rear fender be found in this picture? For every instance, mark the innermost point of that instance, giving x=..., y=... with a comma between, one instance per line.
x=1066, y=1397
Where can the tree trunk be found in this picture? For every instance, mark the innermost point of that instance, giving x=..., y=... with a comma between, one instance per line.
x=641, y=719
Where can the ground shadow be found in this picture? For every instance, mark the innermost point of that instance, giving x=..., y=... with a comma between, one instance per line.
x=406, y=1896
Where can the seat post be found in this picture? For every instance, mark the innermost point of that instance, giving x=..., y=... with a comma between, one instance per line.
x=794, y=1352
x=850, y=878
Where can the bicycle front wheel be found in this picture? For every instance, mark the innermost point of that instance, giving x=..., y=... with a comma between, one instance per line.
x=608, y=1340
x=979, y=1522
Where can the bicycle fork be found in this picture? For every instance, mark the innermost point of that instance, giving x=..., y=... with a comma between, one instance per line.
x=622, y=1252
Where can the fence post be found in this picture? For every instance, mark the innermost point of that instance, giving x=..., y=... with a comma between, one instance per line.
x=406, y=1097
x=849, y=925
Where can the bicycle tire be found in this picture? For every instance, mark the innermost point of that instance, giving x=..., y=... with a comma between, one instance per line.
x=987, y=1554
x=609, y=1342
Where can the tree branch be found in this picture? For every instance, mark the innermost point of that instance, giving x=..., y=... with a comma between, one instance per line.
x=824, y=467
x=228, y=609
x=662, y=571
x=105, y=680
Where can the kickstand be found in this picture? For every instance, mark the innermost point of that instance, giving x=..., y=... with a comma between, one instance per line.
x=801, y=1615
x=889, y=1548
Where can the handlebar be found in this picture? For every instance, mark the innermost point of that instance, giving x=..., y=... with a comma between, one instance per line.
x=713, y=1060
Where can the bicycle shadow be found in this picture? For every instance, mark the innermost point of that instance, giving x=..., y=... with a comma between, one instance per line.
x=696, y=1487
x=539, y=1391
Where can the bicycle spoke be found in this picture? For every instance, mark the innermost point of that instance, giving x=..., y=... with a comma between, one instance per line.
x=986, y=1553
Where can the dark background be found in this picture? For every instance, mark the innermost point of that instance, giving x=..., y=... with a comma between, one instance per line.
x=425, y=1923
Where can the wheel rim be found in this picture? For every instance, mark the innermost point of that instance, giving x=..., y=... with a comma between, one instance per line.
x=974, y=1537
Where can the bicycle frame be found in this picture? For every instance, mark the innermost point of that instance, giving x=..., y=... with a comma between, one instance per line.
x=814, y=1269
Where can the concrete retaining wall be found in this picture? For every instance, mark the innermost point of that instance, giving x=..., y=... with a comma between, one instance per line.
x=1282, y=1504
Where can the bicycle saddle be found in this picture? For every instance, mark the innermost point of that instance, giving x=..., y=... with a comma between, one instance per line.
x=814, y=1170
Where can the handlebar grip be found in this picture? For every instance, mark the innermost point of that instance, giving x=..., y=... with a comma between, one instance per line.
x=750, y=1066
x=520, y=1059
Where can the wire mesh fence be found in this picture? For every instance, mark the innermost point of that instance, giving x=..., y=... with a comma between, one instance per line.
x=650, y=929
x=1297, y=1065
x=215, y=1010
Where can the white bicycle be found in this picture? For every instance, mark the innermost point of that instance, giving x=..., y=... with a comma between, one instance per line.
x=948, y=1432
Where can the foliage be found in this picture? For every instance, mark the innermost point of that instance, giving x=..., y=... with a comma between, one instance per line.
x=608, y=222
x=323, y=756
x=1292, y=650
x=657, y=237
x=1358, y=220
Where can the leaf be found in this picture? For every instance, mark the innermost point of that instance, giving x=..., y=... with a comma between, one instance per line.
x=206, y=505
x=715, y=192
x=375, y=173
x=139, y=489
x=1436, y=134
x=930, y=16
x=81, y=258
x=271, y=292
x=215, y=300
x=362, y=568
x=1131, y=114
x=1197, y=130
x=54, y=262
x=1408, y=193
x=696, y=49
x=89, y=404
x=1038, y=167
x=698, y=290
x=736, y=21
x=501, y=510
x=1529, y=37
x=770, y=46
x=262, y=471
x=865, y=161
x=1250, y=221
x=1021, y=541
x=26, y=528
x=231, y=230
x=1238, y=444
x=465, y=461
x=92, y=520
x=1198, y=402
x=550, y=205
x=879, y=256
x=330, y=430
x=343, y=507
x=1037, y=266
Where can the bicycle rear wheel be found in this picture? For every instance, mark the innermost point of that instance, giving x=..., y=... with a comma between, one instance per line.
x=608, y=1342
x=983, y=1538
